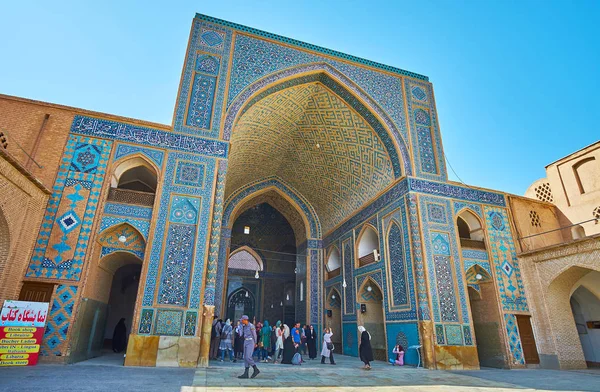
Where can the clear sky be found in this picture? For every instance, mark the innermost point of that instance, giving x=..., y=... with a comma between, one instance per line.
x=516, y=82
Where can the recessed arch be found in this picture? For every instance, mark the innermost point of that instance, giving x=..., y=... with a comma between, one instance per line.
x=135, y=172
x=367, y=242
x=331, y=77
x=334, y=259
x=585, y=174
x=113, y=261
x=473, y=225
x=245, y=258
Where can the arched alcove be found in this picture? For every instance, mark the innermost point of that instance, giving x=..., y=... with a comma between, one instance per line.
x=334, y=262
x=245, y=258
x=134, y=181
x=470, y=229
x=367, y=248
x=370, y=299
x=586, y=174
x=333, y=320
x=241, y=302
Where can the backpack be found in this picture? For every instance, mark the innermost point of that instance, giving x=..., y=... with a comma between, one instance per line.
x=297, y=359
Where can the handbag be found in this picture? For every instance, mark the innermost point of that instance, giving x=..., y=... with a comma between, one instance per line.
x=329, y=346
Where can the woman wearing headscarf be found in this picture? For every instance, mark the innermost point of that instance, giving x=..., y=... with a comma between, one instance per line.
x=119, y=340
x=225, y=344
x=327, y=347
x=279, y=332
x=365, y=350
x=274, y=337
x=238, y=344
x=265, y=342
x=288, y=346
x=311, y=341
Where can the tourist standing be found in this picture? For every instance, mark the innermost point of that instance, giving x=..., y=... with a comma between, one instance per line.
x=366, y=353
x=327, y=347
x=289, y=348
x=265, y=342
x=279, y=332
x=250, y=342
x=238, y=344
x=215, y=337
x=225, y=344
x=311, y=341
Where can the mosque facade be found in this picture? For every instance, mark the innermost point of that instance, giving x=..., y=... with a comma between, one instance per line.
x=295, y=183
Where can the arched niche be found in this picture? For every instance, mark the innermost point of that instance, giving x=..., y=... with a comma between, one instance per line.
x=367, y=246
x=586, y=174
x=577, y=232
x=245, y=258
x=135, y=173
x=470, y=230
x=334, y=262
x=370, y=299
x=241, y=302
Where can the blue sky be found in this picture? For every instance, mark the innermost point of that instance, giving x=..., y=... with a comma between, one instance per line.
x=516, y=82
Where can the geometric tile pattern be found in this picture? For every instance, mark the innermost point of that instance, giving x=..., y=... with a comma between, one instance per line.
x=436, y=213
x=146, y=321
x=64, y=233
x=212, y=38
x=123, y=237
x=123, y=150
x=504, y=258
x=454, y=335
x=168, y=322
x=397, y=266
x=349, y=289
x=428, y=164
x=143, y=226
x=177, y=265
x=163, y=230
x=467, y=335
x=190, y=174
x=439, y=334
x=191, y=318
x=201, y=102
x=59, y=317
x=514, y=341
x=445, y=286
x=295, y=133
x=459, y=205
x=184, y=210
x=128, y=210
x=418, y=254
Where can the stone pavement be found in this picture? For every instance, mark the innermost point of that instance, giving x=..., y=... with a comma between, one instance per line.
x=107, y=374
x=348, y=375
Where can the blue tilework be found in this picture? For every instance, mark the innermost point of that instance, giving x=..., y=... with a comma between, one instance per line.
x=168, y=322
x=347, y=257
x=177, y=265
x=58, y=322
x=343, y=87
x=406, y=334
x=459, y=205
x=189, y=174
x=184, y=210
x=417, y=250
x=208, y=43
x=123, y=150
x=191, y=320
x=454, y=335
x=108, y=250
x=146, y=318
x=350, y=339
x=440, y=336
x=504, y=259
x=71, y=210
x=127, y=210
x=147, y=136
x=467, y=335
x=456, y=192
x=143, y=226
x=169, y=190
x=444, y=265
x=397, y=266
x=514, y=340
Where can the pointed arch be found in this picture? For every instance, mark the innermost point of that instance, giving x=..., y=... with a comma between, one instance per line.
x=243, y=258
x=469, y=223
x=343, y=87
x=397, y=267
x=334, y=258
x=115, y=260
x=135, y=167
x=376, y=293
x=123, y=237
x=367, y=241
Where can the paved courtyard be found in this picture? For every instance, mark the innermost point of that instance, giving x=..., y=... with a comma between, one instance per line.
x=106, y=374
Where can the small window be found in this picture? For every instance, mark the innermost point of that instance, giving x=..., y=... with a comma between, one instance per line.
x=535, y=219
x=544, y=193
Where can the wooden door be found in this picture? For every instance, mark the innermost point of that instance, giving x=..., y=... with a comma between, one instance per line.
x=36, y=292
x=527, y=340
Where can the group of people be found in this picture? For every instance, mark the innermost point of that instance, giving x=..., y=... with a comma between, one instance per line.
x=280, y=344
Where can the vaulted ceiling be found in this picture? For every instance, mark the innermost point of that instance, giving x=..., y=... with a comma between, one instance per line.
x=314, y=141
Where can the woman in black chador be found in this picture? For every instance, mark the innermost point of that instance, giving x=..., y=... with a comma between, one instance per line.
x=289, y=349
x=311, y=341
x=366, y=353
x=119, y=340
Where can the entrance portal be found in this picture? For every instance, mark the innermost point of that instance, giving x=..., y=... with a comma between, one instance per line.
x=262, y=267
x=370, y=301
x=585, y=306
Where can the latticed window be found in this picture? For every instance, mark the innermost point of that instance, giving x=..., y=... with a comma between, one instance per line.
x=535, y=219
x=244, y=260
x=596, y=214
x=544, y=193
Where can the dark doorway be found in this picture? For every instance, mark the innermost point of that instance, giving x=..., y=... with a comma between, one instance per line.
x=527, y=340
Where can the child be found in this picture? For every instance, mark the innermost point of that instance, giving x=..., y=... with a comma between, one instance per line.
x=399, y=360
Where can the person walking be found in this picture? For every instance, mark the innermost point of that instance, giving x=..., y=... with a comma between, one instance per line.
x=250, y=342
x=311, y=341
x=365, y=350
x=225, y=344
x=327, y=347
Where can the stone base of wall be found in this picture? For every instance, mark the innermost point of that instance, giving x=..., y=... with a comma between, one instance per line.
x=162, y=351
x=456, y=358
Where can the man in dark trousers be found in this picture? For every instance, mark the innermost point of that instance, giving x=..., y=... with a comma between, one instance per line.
x=250, y=343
